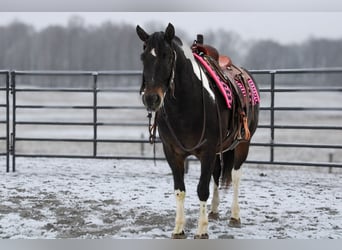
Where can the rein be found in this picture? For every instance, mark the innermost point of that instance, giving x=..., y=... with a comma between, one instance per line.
x=152, y=129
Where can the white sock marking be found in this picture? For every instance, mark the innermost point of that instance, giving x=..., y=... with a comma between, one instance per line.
x=203, y=219
x=215, y=200
x=180, y=215
x=236, y=177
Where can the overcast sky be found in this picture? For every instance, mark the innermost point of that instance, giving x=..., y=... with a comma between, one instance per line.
x=285, y=27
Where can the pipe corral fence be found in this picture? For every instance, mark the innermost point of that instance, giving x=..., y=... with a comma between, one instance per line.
x=83, y=114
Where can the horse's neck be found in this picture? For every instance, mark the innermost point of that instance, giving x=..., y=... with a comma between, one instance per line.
x=187, y=85
x=187, y=99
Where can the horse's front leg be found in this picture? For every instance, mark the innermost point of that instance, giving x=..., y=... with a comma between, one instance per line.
x=207, y=163
x=178, y=231
x=176, y=162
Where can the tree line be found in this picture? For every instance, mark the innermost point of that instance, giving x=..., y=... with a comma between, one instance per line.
x=113, y=46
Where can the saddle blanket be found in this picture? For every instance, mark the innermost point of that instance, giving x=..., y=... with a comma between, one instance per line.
x=225, y=90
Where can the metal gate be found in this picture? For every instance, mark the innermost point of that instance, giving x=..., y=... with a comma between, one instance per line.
x=5, y=116
x=39, y=99
x=318, y=128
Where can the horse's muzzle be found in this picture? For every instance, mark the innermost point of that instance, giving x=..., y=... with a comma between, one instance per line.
x=152, y=101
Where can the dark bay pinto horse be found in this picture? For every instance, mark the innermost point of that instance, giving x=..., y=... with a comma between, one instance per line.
x=192, y=119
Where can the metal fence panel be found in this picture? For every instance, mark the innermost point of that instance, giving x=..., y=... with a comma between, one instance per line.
x=306, y=122
x=102, y=124
x=4, y=117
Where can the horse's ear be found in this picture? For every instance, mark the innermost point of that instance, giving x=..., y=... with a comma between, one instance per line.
x=169, y=33
x=142, y=34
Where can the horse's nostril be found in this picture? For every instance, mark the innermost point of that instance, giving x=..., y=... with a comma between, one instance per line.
x=152, y=101
x=156, y=99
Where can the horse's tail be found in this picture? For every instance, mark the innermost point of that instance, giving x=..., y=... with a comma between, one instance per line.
x=223, y=170
x=226, y=177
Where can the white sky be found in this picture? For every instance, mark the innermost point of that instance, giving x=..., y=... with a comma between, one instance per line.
x=284, y=27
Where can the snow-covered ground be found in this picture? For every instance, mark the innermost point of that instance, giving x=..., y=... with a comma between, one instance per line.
x=63, y=198
x=77, y=198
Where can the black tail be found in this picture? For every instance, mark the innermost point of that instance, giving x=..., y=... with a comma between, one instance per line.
x=223, y=174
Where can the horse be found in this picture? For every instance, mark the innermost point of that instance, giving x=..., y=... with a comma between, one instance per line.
x=193, y=119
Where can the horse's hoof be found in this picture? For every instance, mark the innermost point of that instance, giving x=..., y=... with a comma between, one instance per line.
x=213, y=216
x=201, y=237
x=179, y=236
x=235, y=222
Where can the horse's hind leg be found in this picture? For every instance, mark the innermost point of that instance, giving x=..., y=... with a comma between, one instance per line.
x=214, y=213
x=228, y=160
x=240, y=155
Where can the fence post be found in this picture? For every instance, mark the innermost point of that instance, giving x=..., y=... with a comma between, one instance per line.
x=272, y=115
x=331, y=155
x=142, y=145
x=95, y=74
x=14, y=104
x=7, y=122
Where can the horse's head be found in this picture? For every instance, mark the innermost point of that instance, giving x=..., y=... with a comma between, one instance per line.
x=158, y=66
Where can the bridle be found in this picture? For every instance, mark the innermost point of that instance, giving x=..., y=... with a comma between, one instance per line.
x=152, y=128
x=171, y=85
x=163, y=113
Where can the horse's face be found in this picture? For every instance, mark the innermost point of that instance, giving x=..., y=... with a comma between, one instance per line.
x=158, y=61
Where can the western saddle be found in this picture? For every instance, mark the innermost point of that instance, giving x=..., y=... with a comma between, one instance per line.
x=231, y=75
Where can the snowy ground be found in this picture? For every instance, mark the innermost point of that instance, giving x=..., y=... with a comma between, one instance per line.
x=62, y=198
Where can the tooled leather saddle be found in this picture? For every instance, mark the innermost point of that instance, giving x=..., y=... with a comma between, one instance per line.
x=235, y=81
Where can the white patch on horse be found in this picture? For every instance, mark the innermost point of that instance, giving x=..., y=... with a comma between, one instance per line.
x=153, y=52
x=198, y=71
x=236, y=177
x=203, y=219
x=215, y=200
x=180, y=215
